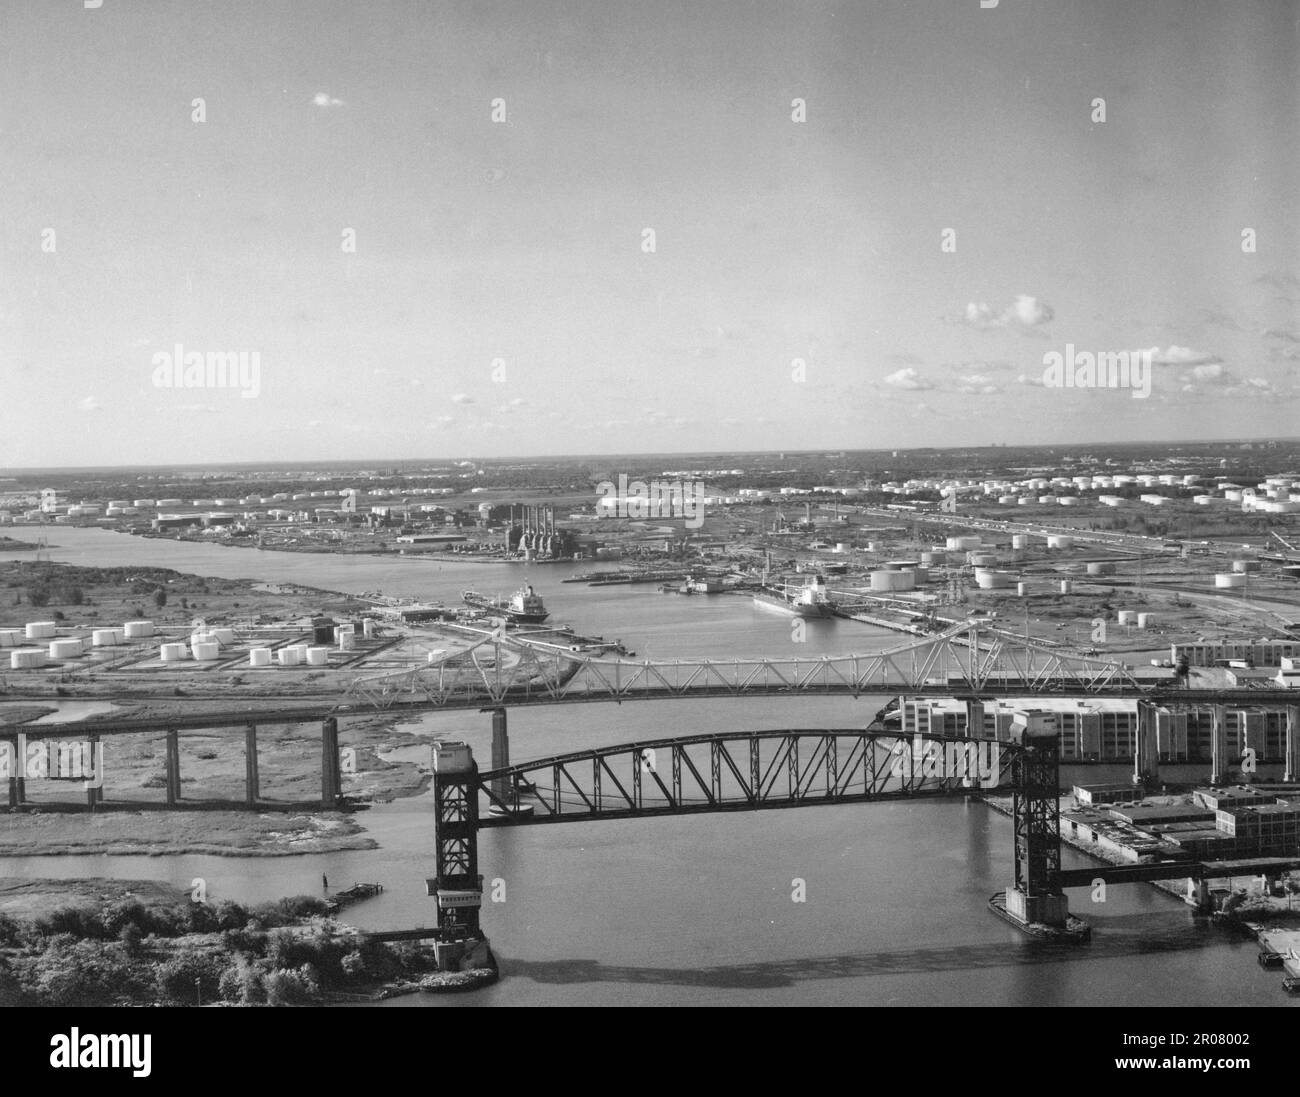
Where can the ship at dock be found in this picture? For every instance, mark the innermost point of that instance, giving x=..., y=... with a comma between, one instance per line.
x=524, y=607
x=810, y=600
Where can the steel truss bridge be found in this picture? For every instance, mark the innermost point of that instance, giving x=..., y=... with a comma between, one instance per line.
x=501, y=668
x=743, y=771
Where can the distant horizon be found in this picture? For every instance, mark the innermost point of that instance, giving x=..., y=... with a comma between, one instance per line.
x=605, y=457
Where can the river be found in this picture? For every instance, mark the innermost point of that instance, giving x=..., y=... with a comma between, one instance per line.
x=702, y=909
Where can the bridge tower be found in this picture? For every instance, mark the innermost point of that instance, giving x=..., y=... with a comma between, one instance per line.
x=1036, y=817
x=457, y=885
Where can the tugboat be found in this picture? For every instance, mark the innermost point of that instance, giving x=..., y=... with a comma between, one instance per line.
x=525, y=606
x=809, y=601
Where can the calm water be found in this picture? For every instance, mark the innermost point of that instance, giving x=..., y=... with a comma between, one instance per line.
x=700, y=910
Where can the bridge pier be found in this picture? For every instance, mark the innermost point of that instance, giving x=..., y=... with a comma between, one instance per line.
x=1218, y=744
x=95, y=792
x=252, y=783
x=16, y=785
x=331, y=774
x=173, y=766
x=500, y=751
x=1198, y=894
x=1292, y=772
x=1146, y=756
x=457, y=886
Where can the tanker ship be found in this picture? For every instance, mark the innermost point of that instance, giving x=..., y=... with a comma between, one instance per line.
x=811, y=600
x=525, y=606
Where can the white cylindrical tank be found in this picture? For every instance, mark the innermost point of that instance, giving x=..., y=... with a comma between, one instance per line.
x=1022, y=589
x=347, y=641
x=40, y=630
x=962, y=544
x=65, y=649
x=1146, y=620
x=1244, y=566
x=1059, y=541
x=1229, y=579
x=26, y=658
x=368, y=627
x=259, y=657
x=988, y=579
x=1128, y=617
x=841, y=546
x=885, y=579
x=105, y=637
x=137, y=630
x=206, y=651
x=289, y=657
x=1020, y=540
x=928, y=559
x=1067, y=586
x=1101, y=567
x=318, y=657
x=172, y=653
x=982, y=559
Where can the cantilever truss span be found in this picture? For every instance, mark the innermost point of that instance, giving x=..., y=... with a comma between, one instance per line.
x=742, y=771
x=501, y=668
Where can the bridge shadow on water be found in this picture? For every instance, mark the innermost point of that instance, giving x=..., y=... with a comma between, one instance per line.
x=1113, y=938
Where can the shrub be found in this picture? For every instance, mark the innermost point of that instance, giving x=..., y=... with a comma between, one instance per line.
x=80, y=973
x=296, y=986
x=241, y=982
x=184, y=979
x=38, y=596
x=79, y=922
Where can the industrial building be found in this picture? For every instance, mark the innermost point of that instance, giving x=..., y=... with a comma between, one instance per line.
x=1105, y=728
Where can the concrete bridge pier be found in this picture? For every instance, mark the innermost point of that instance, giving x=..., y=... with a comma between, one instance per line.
x=1292, y=772
x=331, y=773
x=500, y=751
x=1198, y=894
x=17, y=791
x=95, y=792
x=1146, y=756
x=173, y=766
x=252, y=784
x=1218, y=745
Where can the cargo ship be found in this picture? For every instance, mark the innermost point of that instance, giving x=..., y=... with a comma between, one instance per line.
x=811, y=600
x=525, y=606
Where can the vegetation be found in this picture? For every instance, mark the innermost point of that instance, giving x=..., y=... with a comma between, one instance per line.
x=124, y=952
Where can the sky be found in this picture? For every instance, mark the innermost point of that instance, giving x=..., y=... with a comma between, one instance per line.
x=425, y=224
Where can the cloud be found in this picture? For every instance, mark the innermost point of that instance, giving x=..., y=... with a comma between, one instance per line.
x=324, y=99
x=1214, y=378
x=906, y=358
x=88, y=403
x=1031, y=379
x=1025, y=313
x=462, y=398
x=907, y=379
x=977, y=384
x=1174, y=355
